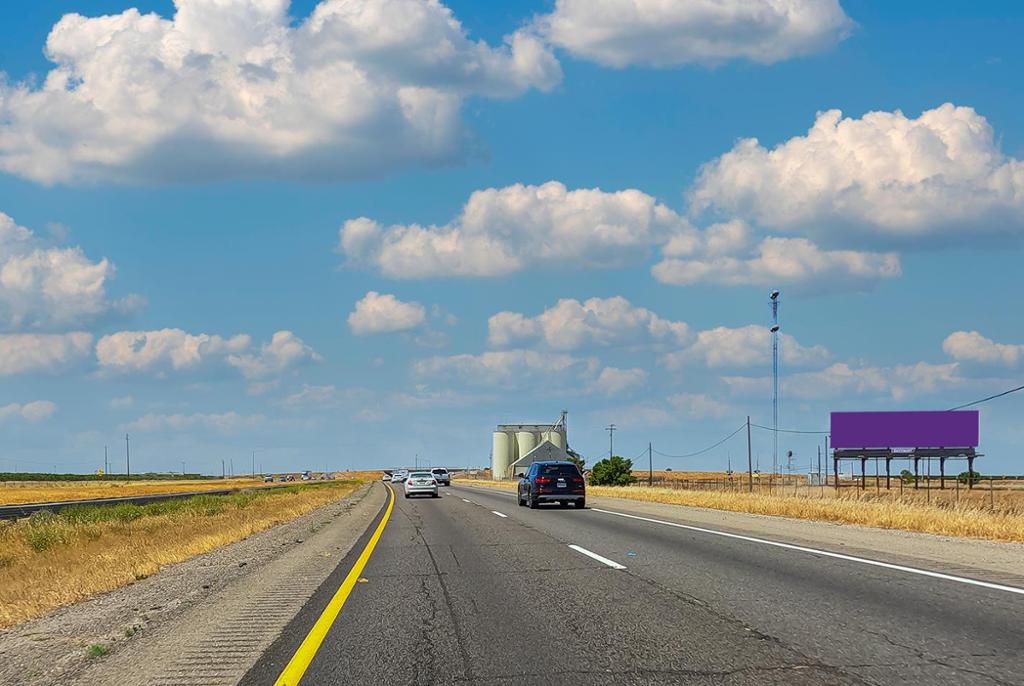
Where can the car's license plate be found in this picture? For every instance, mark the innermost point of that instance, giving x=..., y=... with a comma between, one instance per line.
x=561, y=483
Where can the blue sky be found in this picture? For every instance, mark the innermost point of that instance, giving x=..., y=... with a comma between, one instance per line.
x=894, y=238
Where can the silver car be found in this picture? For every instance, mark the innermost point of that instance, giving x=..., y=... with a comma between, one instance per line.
x=421, y=483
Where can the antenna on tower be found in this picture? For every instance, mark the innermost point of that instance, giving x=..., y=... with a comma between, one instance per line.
x=774, y=297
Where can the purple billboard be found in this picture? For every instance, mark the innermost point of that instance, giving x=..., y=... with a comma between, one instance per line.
x=942, y=429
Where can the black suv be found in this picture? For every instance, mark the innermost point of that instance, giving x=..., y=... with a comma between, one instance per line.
x=549, y=482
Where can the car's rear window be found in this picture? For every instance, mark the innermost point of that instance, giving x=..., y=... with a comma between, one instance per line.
x=439, y=471
x=558, y=470
x=421, y=475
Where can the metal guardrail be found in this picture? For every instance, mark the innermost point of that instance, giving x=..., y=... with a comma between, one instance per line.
x=27, y=509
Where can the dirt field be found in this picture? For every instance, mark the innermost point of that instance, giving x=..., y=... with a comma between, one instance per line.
x=50, y=560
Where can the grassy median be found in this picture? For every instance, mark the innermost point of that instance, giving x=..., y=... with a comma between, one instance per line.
x=54, y=559
x=968, y=519
x=19, y=492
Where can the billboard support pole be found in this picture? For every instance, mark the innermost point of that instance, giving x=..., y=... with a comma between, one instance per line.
x=942, y=473
x=916, y=460
x=970, y=473
x=863, y=473
x=888, y=471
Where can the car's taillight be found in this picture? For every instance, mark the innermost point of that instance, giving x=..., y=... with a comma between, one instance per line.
x=578, y=481
x=544, y=480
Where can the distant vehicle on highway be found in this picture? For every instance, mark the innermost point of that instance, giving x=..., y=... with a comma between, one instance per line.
x=397, y=478
x=421, y=483
x=269, y=478
x=551, y=482
x=386, y=477
x=442, y=476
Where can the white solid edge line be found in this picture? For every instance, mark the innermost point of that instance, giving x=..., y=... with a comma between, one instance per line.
x=466, y=501
x=826, y=553
x=611, y=563
x=498, y=513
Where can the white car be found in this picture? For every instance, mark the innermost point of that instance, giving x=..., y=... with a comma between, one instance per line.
x=442, y=476
x=421, y=483
x=397, y=478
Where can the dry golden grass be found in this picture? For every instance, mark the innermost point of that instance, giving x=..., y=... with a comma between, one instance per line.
x=54, y=560
x=18, y=492
x=968, y=519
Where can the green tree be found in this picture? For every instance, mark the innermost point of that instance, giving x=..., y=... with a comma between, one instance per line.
x=973, y=477
x=907, y=476
x=613, y=471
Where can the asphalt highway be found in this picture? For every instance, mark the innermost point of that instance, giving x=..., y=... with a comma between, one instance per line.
x=470, y=588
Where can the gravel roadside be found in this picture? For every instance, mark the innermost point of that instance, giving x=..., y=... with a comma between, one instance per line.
x=150, y=631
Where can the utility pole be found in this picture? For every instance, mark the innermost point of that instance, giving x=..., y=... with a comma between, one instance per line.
x=183, y=467
x=127, y=457
x=650, y=465
x=611, y=439
x=222, y=473
x=254, y=464
x=231, y=464
x=106, y=462
x=750, y=464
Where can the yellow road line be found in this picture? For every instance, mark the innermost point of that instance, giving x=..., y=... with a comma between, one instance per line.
x=300, y=662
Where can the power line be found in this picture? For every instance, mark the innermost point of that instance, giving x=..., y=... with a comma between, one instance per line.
x=985, y=400
x=789, y=431
x=710, y=447
x=642, y=453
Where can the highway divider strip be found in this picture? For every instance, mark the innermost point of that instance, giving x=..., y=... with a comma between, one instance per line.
x=303, y=657
x=825, y=553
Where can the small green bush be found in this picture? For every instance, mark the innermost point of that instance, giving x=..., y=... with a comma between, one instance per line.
x=613, y=471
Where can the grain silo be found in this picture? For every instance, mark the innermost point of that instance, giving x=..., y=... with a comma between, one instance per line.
x=502, y=452
x=512, y=443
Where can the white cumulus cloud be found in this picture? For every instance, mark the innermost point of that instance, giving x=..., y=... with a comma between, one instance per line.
x=698, y=405
x=284, y=351
x=45, y=287
x=780, y=261
x=163, y=349
x=971, y=346
x=505, y=230
x=506, y=368
x=887, y=174
x=840, y=379
x=662, y=33
x=21, y=353
x=384, y=313
x=612, y=380
x=744, y=346
x=241, y=88
x=224, y=422
x=34, y=411
x=571, y=324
